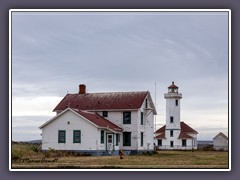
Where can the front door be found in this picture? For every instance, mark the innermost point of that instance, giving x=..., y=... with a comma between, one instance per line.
x=109, y=142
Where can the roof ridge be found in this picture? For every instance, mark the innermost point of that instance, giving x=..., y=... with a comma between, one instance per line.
x=109, y=92
x=105, y=100
x=221, y=133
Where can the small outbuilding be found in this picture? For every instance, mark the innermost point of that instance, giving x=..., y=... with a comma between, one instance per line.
x=220, y=142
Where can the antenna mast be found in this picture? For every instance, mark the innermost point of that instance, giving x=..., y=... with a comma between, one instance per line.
x=155, y=115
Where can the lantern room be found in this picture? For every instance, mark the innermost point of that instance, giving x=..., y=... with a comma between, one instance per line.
x=173, y=88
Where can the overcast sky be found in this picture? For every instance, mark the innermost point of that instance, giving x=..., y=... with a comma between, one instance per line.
x=54, y=52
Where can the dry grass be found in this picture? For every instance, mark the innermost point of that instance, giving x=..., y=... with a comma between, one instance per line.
x=22, y=150
x=162, y=160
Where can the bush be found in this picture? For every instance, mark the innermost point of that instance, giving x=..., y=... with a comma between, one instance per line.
x=35, y=148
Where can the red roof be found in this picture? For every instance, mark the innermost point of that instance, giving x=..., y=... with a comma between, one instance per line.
x=185, y=129
x=173, y=85
x=184, y=135
x=100, y=121
x=161, y=136
x=161, y=130
x=102, y=101
x=96, y=119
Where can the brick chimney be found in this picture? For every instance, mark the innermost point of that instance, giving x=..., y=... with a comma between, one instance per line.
x=82, y=89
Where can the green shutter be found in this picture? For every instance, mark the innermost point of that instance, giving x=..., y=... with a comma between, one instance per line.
x=76, y=136
x=61, y=136
x=102, y=137
x=117, y=139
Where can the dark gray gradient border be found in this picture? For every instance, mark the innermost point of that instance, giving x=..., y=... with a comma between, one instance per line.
x=5, y=5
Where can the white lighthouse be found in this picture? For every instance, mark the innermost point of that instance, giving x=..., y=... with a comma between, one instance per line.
x=173, y=107
x=175, y=134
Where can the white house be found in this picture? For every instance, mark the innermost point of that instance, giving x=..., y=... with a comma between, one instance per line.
x=220, y=142
x=101, y=123
x=175, y=134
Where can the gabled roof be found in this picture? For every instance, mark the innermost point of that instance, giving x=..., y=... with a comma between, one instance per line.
x=93, y=118
x=161, y=136
x=184, y=135
x=161, y=130
x=221, y=134
x=100, y=121
x=104, y=101
x=185, y=129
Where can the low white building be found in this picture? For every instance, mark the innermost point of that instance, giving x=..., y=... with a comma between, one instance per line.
x=175, y=134
x=101, y=123
x=220, y=142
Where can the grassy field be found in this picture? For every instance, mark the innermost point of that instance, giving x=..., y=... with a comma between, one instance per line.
x=26, y=156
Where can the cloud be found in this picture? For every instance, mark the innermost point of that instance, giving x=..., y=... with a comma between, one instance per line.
x=53, y=53
x=26, y=128
x=32, y=106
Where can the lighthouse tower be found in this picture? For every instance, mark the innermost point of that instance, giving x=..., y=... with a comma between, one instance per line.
x=175, y=134
x=173, y=127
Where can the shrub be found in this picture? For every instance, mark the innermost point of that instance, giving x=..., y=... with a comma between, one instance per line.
x=35, y=148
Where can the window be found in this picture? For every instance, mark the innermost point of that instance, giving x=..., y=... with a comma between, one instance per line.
x=184, y=142
x=61, y=136
x=171, y=119
x=126, y=117
x=171, y=143
x=141, y=118
x=110, y=138
x=176, y=102
x=126, y=138
x=76, y=136
x=171, y=133
x=117, y=139
x=159, y=142
x=105, y=113
x=141, y=138
x=102, y=137
x=146, y=103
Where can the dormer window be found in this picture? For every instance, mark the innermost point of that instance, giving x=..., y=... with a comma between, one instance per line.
x=146, y=103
